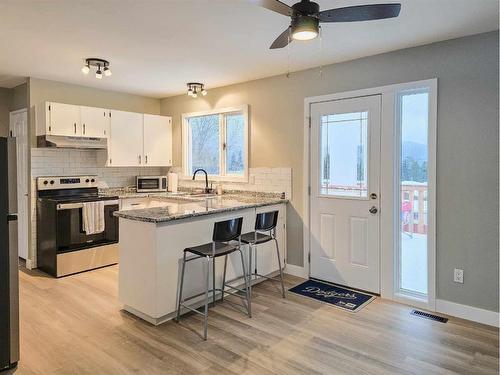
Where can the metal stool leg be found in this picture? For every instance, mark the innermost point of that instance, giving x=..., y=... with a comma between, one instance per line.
x=249, y=302
x=250, y=253
x=224, y=279
x=213, y=281
x=281, y=270
x=180, y=288
x=207, y=287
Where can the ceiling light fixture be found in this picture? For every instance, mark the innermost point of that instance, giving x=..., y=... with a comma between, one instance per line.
x=98, y=64
x=305, y=28
x=194, y=88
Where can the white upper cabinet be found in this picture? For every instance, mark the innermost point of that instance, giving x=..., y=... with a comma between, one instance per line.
x=133, y=139
x=94, y=122
x=74, y=121
x=125, y=146
x=157, y=141
x=63, y=119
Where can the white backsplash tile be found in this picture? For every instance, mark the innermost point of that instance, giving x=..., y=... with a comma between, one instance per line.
x=267, y=180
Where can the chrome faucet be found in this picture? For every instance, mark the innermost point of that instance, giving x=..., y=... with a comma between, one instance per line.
x=207, y=189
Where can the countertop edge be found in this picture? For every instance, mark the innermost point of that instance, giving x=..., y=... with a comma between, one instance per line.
x=124, y=215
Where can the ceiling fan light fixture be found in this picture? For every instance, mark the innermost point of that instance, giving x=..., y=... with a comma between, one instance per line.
x=305, y=28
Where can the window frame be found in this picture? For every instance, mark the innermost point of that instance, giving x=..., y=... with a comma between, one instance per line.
x=243, y=109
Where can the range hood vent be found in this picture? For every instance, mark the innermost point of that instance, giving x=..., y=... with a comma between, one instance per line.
x=72, y=142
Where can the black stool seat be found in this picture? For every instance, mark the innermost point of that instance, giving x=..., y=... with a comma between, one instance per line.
x=207, y=249
x=249, y=238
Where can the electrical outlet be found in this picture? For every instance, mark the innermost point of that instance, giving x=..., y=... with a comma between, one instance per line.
x=458, y=275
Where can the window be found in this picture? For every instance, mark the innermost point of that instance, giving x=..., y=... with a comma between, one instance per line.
x=217, y=141
x=413, y=124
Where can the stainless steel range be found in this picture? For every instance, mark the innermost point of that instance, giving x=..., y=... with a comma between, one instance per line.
x=76, y=229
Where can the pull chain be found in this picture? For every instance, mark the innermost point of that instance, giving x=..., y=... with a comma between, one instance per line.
x=320, y=52
x=288, y=54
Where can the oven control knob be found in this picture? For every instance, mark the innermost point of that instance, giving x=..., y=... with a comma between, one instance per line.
x=45, y=182
x=87, y=180
x=52, y=182
x=92, y=180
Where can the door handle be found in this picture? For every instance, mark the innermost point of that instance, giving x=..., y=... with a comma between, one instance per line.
x=139, y=159
x=146, y=157
x=373, y=210
x=83, y=128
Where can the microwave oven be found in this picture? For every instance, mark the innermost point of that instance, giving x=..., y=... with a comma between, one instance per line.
x=151, y=184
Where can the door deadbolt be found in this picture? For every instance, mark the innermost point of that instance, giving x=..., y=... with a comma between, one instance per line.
x=373, y=196
x=373, y=210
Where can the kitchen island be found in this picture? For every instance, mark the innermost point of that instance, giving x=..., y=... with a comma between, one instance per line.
x=152, y=241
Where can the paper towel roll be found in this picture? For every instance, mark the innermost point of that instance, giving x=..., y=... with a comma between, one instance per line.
x=173, y=182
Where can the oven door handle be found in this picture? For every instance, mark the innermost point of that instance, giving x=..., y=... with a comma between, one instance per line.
x=70, y=206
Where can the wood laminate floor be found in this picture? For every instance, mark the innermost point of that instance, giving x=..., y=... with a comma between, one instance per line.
x=74, y=325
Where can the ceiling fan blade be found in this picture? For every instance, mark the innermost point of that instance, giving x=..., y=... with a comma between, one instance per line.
x=282, y=40
x=274, y=5
x=360, y=13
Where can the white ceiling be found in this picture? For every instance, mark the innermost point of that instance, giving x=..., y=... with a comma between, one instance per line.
x=156, y=46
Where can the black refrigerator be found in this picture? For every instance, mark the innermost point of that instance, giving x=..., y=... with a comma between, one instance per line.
x=9, y=278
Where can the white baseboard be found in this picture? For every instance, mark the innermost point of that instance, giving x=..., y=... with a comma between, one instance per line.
x=30, y=264
x=296, y=271
x=468, y=312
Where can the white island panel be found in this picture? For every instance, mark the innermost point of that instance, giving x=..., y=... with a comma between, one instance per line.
x=151, y=258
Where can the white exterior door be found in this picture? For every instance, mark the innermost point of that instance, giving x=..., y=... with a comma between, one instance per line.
x=95, y=122
x=125, y=146
x=19, y=130
x=344, y=198
x=64, y=119
x=157, y=140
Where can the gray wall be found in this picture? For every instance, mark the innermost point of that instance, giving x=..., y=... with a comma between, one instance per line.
x=19, y=98
x=11, y=100
x=467, y=145
x=5, y=100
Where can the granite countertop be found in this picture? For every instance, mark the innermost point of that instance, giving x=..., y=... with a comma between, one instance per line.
x=183, y=207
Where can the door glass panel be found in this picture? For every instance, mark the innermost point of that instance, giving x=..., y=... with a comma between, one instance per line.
x=413, y=123
x=343, y=155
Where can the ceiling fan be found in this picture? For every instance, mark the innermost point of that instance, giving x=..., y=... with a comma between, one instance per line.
x=306, y=17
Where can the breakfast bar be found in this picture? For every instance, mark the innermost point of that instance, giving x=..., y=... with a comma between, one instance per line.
x=152, y=241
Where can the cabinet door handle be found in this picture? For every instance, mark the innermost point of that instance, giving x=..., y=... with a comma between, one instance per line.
x=139, y=159
x=146, y=157
x=83, y=128
x=75, y=127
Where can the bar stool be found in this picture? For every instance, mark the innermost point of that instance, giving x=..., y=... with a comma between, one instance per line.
x=224, y=232
x=264, y=222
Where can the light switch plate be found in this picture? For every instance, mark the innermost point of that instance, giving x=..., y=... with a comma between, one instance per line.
x=458, y=276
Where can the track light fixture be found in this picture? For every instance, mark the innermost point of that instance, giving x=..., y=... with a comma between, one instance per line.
x=195, y=88
x=102, y=67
